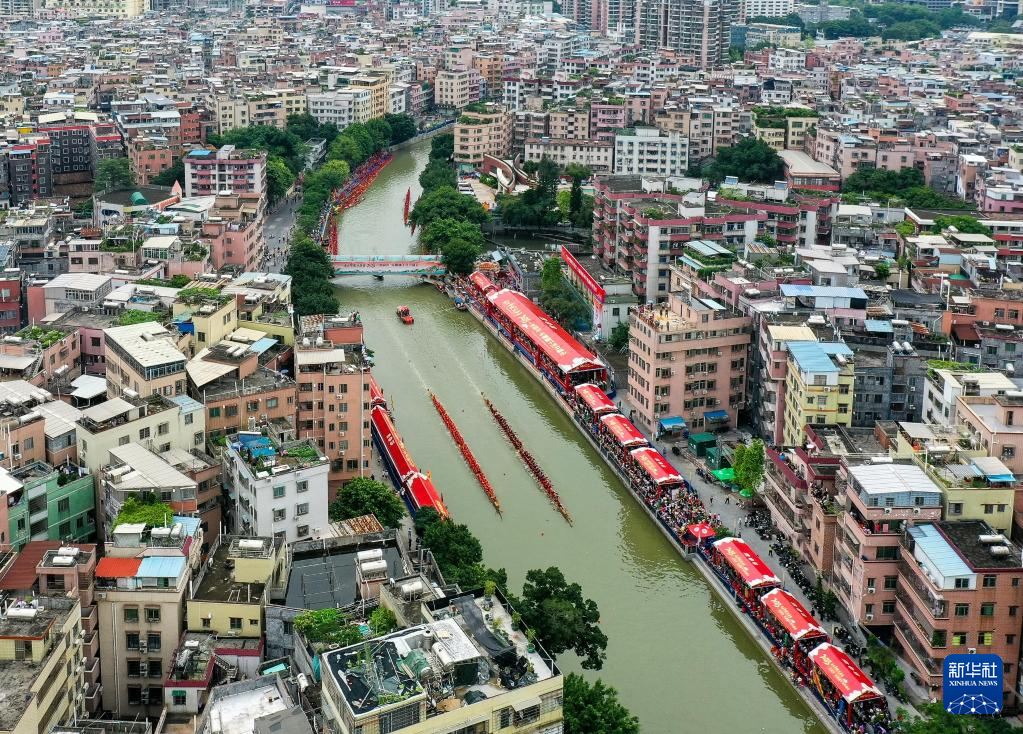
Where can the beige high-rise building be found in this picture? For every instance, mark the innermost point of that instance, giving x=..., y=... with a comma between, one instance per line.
x=106, y=8
x=486, y=130
x=141, y=589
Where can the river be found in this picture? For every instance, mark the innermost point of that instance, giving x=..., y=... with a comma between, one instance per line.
x=679, y=659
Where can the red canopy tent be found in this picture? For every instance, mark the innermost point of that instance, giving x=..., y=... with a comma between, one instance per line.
x=844, y=674
x=424, y=494
x=595, y=399
x=482, y=282
x=622, y=429
x=744, y=561
x=402, y=462
x=655, y=465
x=791, y=615
x=701, y=530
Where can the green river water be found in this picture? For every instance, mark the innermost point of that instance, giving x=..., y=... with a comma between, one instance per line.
x=679, y=659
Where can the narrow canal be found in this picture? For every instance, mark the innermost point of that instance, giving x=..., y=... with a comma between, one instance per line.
x=679, y=659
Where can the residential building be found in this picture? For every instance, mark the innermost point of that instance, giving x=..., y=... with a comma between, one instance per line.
x=993, y=424
x=784, y=128
x=144, y=359
x=881, y=500
x=944, y=386
x=457, y=88
x=452, y=632
x=341, y=107
x=959, y=592
x=687, y=358
x=279, y=488
x=649, y=151
x=818, y=387
x=767, y=8
x=40, y=663
x=482, y=131
x=698, y=32
x=142, y=584
x=68, y=291
x=96, y=8
x=595, y=155
x=55, y=504
x=229, y=169
x=234, y=232
x=803, y=172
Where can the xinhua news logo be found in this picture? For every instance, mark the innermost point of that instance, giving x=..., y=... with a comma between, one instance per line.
x=973, y=684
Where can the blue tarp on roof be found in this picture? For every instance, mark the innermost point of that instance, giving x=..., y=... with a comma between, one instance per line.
x=716, y=415
x=944, y=557
x=878, y=326
x=190, y=524
x=816, y=356
x=674, y=423
x=156, y=567
x=830, y=291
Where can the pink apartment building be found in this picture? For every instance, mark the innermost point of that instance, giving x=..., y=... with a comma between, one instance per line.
x=995, y=423
x=210, y=172
x=234, y=232
x=687, y=358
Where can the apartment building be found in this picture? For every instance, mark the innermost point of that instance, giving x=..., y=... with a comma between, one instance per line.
x=234, y=232
x=144, y=359
x=818, y=387
x=959, y=592
x=279, y=487
x=49, y=570
x=698, y=32
x=945, y=386
x=649, y=151
x=97, y=8
x=333, y=395
x=229, y=169
x=595, y=155
x=804, y=173
x=212, y=314
x=142, y=584
x=68, y=291
x=29, y=169
x=149, y=158
x=767, y=8
x=687, y=359
x=705, y=123
x=791, y=217
x=881, y=500
x=457, y=88
x=342, y=107
x=784, y=128
x=480, y=131
x=158, y=423
x=451, y=632
x=53, y=504
x=377, y=82
x=41, y=663
x=993, y=424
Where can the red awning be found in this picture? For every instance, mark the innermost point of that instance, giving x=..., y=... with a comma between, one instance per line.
x=622, y=429
x=402, y=462
x=655, y=465
x=559, y=346
x=701, y=530
x=791, y=615
x=110, y=567
x=844, y=674
x=376, y=395
x=595, y=398
x=424, y=494
x=745, y=562
x=482, y=282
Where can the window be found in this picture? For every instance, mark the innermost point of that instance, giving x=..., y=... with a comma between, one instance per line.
x=131, y=615
x=280, y=515
x=236, y=623
x=890, y=582
x=134, y=696
x=887, y=553
x=131, y=639
x=143, y=434
x=188, y=419
x=155, y=669
x=962, y=610
x=958, y=638
x=179, y=698
x=163, y=429
x=271, y=403
x=1008, y=452
x=955, y=508
x=152, y=614
x=301, y=486
x=302, y=531
x=962, y=583
x=205, y=622
x=302, y=509
x=134, y=668
x=990, y=580
x=153, y=640
x=985, y=638
x=888, y=607
x=278, y=492
x=987, y=609
x=231, y=410
x=64, y=505
x=252, y=406
x=214, y=412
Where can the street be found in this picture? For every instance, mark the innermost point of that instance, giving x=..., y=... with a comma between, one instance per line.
x=277, y=234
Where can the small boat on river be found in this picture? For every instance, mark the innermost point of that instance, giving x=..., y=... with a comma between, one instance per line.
x=405, y=314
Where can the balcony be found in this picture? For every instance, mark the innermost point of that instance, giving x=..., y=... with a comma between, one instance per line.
x=91, y=671
x=930, y=603
x=916, y=653
x=93, y=697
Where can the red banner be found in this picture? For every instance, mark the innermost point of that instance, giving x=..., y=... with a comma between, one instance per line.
x=595, y=288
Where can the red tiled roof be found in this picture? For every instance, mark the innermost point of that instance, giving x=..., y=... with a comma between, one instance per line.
x=117, y=568
x=22, y=573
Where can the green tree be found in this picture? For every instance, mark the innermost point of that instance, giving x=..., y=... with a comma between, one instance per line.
x=459, y=256
x=382, y=621
x=279, y=178
x=594, y=707
x=938, y=721
x=561, y=617
x=364, y=496
x=882, y=269
x=380, y=131
x=441, y=231
x=751, y=473
x=113, y=173
x=168, y=176
x=550, y=274
x=273, y=140
x=447, y=203
x=739, y=461
x=437, y=174
x=965, y=224
x=305, y=127
x=750, y=160
x=442, y=147
x=560, y=299
x=578, y=174
x=619, y=339
x=457, y=551
x=403, y=127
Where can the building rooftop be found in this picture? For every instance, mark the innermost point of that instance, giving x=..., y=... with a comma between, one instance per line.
x=875, y=479
x=265, y=456
x=147, y=471
x=235, y=707
x=965, y=537
x=440, y=662
x=149, y=343
x=319, y=580
x=819, y=357
x=218, y=581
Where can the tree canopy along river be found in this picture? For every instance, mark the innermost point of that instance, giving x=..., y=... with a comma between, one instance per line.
x=679, y=659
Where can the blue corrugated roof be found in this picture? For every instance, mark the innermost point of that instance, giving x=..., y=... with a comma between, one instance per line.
x=878, y=326
x=816, y=356
x=830, y=291
x=190, y=524
x=187, y=405
x=161, y=567
x=944, y=557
